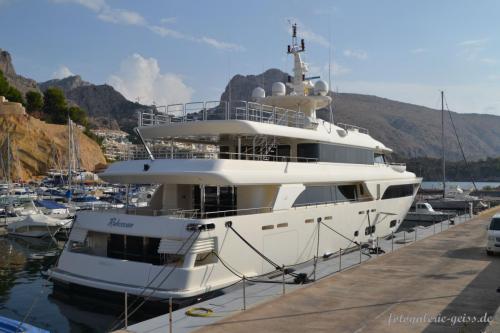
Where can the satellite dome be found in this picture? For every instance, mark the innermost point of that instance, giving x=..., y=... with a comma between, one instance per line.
x=258, y=93
x=278, y=89
x=320, y=88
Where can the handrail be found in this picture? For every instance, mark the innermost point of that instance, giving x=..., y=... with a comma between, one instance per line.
x=221, y=110
x=167, y=154
x=184, y=213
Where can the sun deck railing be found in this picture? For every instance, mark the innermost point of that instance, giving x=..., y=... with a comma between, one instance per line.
x=168, y=154
x=222, y=110
x=185, y=213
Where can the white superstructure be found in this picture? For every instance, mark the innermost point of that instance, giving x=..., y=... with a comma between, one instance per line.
x=278, y=182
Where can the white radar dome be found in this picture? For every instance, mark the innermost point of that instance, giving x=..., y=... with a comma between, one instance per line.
x=320, y=88
x=258, y=93
x=278, y=89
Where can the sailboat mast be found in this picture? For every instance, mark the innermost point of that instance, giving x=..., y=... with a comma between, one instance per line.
x=442, y=144
x=8, y=161
x=69, y=158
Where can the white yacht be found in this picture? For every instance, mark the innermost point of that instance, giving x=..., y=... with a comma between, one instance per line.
x=281, y=188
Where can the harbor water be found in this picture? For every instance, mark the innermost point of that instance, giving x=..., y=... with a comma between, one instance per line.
x=26, y=294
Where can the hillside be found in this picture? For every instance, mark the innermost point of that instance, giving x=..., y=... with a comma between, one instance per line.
x=37, y=146
x=410, y=130
x=104, y=105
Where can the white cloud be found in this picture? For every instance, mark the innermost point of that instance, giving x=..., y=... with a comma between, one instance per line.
x=168, y=20
x=62, y=72
x=357, y=54
x=165, y=32
x=122, y=16
x=220, y=45
x=418, y=50
x=472, y=50
x=473, y=42
x=141, y=77
x=489, y=61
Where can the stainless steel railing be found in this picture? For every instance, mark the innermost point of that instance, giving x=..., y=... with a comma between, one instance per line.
x=167, y=154
x=222, y=110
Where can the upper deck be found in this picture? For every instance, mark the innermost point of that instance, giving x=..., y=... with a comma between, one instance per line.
x=223, y=110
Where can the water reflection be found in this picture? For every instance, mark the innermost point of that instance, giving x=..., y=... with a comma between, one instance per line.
x=23, y=286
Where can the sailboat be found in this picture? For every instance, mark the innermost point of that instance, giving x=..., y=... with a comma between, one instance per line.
x=457, y=199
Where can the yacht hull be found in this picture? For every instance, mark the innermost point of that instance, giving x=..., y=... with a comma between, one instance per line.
x=291, y=240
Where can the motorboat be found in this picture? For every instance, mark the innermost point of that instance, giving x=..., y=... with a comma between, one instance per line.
x=37, y=225
x=424, y=212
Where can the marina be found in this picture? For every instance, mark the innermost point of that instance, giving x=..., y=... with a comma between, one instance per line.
x=334, y=191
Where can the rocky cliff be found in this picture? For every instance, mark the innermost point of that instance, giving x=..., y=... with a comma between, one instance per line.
x=37, y=147
x=19, y=82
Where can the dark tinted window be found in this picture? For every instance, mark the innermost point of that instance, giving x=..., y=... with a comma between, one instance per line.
x=495, y=224
x=307, y=151
x=334, y=153
x=398, y=191
x=326, y=194
x=348, y=192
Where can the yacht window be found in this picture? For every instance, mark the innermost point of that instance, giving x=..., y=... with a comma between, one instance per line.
x=224, y=152
x=318, y=194
x=306, y=151
x=219, y=200
x=379, y=158
x=284, y=150
x=392, y=224
x=346, y=192
x=205, y=258
x=133, y=248
x=334, y=153
x=398, y=191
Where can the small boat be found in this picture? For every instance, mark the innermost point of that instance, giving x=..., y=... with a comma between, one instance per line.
x=37, y=225
x=425, y=213
x=8, y=325
x=53, y=209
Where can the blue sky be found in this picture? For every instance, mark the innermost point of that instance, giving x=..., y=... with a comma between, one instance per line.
x=178, y=51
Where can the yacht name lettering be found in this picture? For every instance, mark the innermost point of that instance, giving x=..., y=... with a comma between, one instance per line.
x=114, y=222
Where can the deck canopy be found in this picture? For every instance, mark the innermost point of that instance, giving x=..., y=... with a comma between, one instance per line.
x=211, y=131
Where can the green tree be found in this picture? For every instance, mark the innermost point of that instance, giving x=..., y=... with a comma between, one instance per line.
x=4, y=85
x=34, y=101
x=8, y=91
x=55, y=106
x=78, y=115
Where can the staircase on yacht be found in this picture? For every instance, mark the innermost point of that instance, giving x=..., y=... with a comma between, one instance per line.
x=271, y=185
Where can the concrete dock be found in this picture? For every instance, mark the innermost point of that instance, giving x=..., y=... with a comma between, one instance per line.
x=444, y=283
x=428, y=285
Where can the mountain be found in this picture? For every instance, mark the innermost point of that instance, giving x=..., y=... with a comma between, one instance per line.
x=105, y=106
x=19, y=82
x=410, y=130
x=66, y=84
